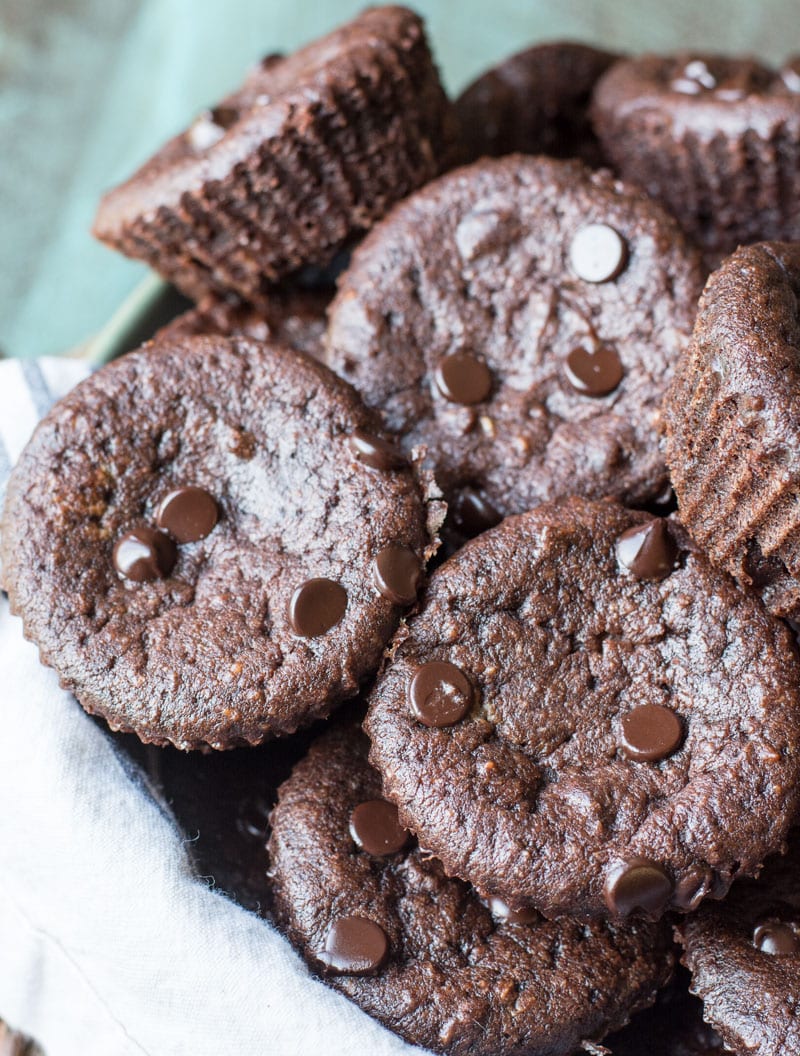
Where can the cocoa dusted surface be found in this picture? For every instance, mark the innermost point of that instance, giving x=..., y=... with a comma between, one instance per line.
x=289, y=316
x=201, y=652
x=535, y=102
x=453, y=978
x=749, y=990
x=716, y=140
x=485, y=265
x=530, y=793
x=310, y=151
x=733, y=423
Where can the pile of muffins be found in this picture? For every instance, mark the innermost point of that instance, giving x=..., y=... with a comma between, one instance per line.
x=415, y=448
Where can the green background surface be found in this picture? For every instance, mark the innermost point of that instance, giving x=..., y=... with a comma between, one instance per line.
x=89, y=88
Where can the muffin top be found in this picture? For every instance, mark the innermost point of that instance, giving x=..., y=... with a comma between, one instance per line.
x=587, y=718
x=520, y=318
x=701, y=92
x=380, y=919
x=210, y=542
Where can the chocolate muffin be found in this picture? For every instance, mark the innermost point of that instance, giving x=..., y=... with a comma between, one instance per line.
x=535, y=102
x=380, y=920
x=210, y=542
x=585, y=717
x=311, y=150
x=744, y=957
x=294, y=317
x=520, y=318
x=674, y=1026
x=733, y=423
x=716, y=140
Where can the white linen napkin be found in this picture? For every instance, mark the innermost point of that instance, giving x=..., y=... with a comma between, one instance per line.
x=110, y=944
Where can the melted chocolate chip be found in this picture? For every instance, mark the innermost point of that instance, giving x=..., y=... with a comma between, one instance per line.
x=354, y=946
x=472, y=513
x=440, y=694
x=397, y=572
x=144, y=554
x=776, y=938
x=692, y=889
x=376, y=829
x=594, y=373
x=651, y=732
x=316, y=606
x=504, y=913
x=598, y=253
x=637, y=886
x=462, y=378
x=374, y=452
x=648, y=550
x=187, y=514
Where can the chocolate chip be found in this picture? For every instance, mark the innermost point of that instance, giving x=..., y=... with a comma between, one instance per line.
x=354, y=946
x=472, y=513
x=376, y=829
x=594, y=373
x=397, y=572
x=374, y=452
x=651, y=732
x=211, y=126
x=648, y=550
x=271, y=60
x=462, y=378
x=316, y=606
x=598, y=253
x=144, y=554
x=637, y=886
x=187, y=514
x=440, y=694
x=776, y=938
x=692, y=889
x=501, y=911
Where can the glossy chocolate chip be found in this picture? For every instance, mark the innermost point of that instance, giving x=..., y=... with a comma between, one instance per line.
x=397, y=572
x=472, y=513
x=440, y=694
x=594, y=373
x=187, y=514
x=317, y=606
x=354, y=946
x=598, y=253
x=374, y=452
x=692, y=889
x=648, y=550
x=776, y=938
x=651, y=732
x=501, y=911
x=376, y=829
x=462, y=378
x=144, y=554
x=637, y=886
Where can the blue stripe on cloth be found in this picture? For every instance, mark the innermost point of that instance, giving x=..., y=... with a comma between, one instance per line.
x=37, y=386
